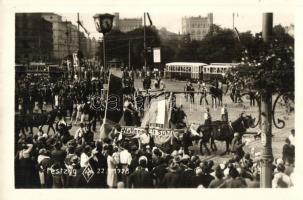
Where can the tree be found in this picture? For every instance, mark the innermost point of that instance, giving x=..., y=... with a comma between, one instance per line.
x=268, y=66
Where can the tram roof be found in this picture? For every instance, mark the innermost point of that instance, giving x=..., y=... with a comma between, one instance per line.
x=186, y=64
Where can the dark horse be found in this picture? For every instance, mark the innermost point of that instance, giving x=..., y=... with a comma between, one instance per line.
x=23, y=122
x=224, y=132
x=216, y=94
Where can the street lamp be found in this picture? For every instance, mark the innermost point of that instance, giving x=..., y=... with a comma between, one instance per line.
x=104, y=24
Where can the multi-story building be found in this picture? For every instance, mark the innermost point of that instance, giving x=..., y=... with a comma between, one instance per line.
x=33, y=38
x=197, y=27
x=126, y=24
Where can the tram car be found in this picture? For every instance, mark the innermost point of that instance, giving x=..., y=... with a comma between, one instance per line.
x=217, y=71
x=184, y=70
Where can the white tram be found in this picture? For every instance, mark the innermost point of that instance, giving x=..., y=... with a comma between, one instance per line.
x=184, y=70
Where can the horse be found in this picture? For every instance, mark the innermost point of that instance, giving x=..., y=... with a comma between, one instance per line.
x=216, y=93
x=223, y=131
x=23, y=122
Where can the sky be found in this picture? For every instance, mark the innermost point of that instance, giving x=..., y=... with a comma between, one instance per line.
x=248, y=21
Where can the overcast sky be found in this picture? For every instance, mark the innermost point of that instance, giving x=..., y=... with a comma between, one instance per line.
x=248, y=21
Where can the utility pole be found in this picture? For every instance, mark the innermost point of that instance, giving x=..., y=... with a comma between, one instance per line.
x=233, y=21
x=104, y=55
x=78, y=22
x=144, y=40
x=129, y=53
x=266, y=115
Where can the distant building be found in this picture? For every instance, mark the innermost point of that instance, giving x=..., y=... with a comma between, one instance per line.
x=33, y=38
x=66, y=37
x=126, y=24
x=197, y=27
x=167, y=35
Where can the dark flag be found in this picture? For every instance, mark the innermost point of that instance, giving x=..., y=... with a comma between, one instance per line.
x=149, y=19
x=114, y=108
x=115, y=99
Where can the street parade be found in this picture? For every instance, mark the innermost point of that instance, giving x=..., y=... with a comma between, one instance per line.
x=176, y=125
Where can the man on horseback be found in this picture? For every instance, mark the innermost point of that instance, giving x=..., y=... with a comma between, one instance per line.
x=224, y=114
x=207, y=117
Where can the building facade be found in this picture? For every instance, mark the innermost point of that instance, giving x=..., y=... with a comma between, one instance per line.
x=126, y=24
x=197, y=27
x=33, y=38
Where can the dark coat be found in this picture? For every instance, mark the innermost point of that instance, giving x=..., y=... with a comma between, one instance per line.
x=140, y=179
x=172, y=180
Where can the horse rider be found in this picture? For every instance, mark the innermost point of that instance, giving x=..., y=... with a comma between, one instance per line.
x=207, y=117
x=237, y=145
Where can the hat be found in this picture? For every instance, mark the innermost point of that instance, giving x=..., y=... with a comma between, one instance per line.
x=42, y=151
x=142, y=158
x=174, y=166
x=75, y=159
x=185, y=157
x=279, y=161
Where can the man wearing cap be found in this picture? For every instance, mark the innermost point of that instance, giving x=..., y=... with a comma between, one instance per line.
x=141, y=177
x=172, y=179
x=237, y=146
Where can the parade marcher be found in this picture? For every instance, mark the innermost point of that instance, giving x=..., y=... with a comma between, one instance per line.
x=224, y=113
x=288, y=152
x=112, y=178
x=237, y=146
x=75, y=178
x=125, y=161
x=203, y=94
x=207, y=117
x=141, y=177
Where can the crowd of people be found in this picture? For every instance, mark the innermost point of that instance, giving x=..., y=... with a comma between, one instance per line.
x=65, y=160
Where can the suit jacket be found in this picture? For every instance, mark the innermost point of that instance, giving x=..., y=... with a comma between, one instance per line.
x=140, y=179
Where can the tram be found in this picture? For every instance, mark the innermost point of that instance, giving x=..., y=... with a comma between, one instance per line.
x=217, y=71
x=184, y=70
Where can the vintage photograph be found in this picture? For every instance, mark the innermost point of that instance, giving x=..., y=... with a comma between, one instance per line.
x=154, y=100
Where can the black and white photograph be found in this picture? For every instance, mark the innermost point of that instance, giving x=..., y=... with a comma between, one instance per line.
x=153, y=98
x=131, y=100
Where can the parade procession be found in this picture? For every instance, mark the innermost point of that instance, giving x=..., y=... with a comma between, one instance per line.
x=144, y=107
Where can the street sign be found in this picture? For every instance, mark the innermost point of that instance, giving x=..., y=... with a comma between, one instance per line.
x=157, y=55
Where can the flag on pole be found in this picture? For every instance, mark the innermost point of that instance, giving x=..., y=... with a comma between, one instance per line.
x=149, y=19
x=114, y=104
x=237, y=34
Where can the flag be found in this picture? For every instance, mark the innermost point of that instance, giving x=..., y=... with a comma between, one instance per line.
x=114, y=107
x=237, y=34
x=149, y=19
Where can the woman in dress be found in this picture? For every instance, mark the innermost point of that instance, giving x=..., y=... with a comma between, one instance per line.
x=112, y=163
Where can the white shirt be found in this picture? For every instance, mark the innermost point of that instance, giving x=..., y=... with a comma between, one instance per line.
x=83, y=160
x=223, y=111
x=144, y=138
x=291, y=139
x=125, y=157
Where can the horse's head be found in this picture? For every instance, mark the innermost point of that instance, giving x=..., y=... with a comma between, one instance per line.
x=249, y=121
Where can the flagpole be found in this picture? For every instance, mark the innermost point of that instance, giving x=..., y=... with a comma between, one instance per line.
x=106, y=105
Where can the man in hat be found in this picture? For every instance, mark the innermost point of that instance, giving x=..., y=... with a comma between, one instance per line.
x=173, y=177
x=75, y=178
x=237, y=145
x=141, y=177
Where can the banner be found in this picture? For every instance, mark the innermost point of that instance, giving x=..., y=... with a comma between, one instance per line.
x=157, y=55
x=160, y=136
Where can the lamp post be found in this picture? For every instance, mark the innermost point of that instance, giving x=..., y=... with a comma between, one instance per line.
x=104, y=24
